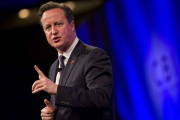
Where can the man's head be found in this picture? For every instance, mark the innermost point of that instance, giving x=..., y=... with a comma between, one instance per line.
x=58, y=25
x=51, y=5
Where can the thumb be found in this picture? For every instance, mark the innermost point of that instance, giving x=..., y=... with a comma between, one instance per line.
x=48, y=104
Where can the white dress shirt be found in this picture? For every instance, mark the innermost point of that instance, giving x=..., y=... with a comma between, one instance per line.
x=66, y=54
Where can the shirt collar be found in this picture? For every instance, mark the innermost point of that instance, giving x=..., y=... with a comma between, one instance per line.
x=68, y=52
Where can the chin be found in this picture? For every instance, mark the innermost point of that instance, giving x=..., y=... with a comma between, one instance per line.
x=57, y=45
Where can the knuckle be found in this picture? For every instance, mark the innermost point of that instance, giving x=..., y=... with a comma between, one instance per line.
x=45, y=83
x=45, y=87
x=42, y=110
x=44, y=80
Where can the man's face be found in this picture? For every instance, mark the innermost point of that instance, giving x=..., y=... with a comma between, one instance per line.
x=59, y=33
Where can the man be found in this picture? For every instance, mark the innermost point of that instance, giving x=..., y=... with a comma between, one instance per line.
x=81, y=81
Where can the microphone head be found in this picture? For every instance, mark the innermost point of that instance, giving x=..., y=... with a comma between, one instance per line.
x=58, y=69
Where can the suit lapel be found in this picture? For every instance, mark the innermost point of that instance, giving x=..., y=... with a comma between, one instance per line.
x=52, y=77
x=71, y=62
x=54, y=71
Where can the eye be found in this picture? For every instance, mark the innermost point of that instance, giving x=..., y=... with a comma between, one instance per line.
x=59, y=24
x=47, y=27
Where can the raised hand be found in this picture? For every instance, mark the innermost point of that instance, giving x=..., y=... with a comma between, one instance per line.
x=43, y=83
x=47, y=113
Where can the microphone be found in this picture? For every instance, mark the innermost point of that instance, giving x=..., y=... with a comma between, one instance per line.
x=59, y=69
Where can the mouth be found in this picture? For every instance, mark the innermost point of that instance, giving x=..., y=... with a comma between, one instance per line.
x=56, y=39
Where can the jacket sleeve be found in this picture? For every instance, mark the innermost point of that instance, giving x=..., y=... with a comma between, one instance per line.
x=99, y=81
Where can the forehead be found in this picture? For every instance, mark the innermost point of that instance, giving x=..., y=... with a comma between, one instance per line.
x=53, y=13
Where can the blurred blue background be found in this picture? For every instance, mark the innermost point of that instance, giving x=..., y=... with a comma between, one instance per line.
x=140, y=36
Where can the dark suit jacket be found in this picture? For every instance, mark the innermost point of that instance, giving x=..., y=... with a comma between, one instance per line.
x=86, y=89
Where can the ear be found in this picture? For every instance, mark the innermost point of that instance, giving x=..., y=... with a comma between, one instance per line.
x=72, y=24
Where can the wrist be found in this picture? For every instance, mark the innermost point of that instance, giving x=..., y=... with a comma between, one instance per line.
x=55, y=89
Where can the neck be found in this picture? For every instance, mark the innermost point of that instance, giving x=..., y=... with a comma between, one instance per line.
x=65, y=48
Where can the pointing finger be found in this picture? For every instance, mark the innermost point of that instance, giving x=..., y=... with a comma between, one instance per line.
x=39, y=71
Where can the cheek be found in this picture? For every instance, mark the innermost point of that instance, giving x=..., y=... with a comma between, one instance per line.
x=48, y=36
x=63, y=30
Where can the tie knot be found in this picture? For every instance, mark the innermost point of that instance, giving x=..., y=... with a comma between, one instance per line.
x=61, y=57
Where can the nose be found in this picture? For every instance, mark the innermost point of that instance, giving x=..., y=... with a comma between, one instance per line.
x=54, y=30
